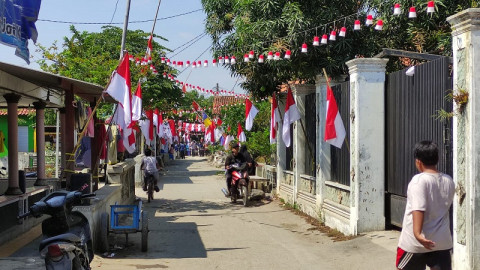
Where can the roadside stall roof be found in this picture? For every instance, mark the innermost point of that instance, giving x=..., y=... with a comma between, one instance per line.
x=20, y=80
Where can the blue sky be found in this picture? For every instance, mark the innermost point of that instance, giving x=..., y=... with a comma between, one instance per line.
x=177, y=30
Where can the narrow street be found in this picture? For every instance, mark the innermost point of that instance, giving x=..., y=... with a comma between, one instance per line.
x=193, y=226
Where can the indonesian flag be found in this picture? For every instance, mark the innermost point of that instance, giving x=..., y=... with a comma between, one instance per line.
x=129, y=139
x=137, y=104
x=195, y=105
x=119, y=89
x=148, y=54
x=274, y=119
x=250, y=113
x=228, y=139
x=334, y=128
x=240, y=134
x=146, y=125
x=291, y=115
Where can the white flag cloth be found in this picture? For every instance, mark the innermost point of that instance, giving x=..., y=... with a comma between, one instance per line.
x=227, y=142
x=119, y=89
x=240, y=134
x=334, y=128
x=250, y=113
x=274, y=119
x=291, y=115
x=145, y=128
x=137, y=104
x=129, y=139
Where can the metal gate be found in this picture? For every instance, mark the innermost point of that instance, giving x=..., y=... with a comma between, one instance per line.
x=311, y=136
x=340, y=158
x=412, y=103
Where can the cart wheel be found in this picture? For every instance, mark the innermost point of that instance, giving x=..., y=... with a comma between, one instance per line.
x=105, y=226
x=144, y=231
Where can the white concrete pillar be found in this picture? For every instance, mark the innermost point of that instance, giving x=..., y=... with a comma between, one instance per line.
x=466, y=140
x=281, y=149
x=367, y=144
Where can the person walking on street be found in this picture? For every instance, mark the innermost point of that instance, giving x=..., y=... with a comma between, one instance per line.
x=426, y=239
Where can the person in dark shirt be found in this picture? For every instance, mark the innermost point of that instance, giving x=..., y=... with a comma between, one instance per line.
x=250, y=162
x=234, y=157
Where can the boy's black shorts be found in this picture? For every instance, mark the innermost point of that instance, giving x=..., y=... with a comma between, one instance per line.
x=441, y=259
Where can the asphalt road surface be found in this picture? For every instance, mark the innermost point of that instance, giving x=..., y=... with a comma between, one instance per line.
x=193, y=226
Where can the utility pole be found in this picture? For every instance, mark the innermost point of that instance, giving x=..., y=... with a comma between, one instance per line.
x=125, y=27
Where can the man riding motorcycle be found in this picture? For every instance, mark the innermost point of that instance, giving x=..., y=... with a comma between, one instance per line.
x=234, y=157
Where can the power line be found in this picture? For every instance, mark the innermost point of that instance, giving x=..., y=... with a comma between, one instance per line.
x=186, y=43
x=191, y=44
x=114, y=11
x=104, y=23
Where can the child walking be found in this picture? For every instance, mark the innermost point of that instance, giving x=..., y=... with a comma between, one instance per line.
x=425, y=239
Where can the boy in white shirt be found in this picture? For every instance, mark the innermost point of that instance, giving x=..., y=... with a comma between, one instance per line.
x=426, y=239
x=150, y=167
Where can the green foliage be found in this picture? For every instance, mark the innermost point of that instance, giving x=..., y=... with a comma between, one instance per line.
x=258, y=140
x=237, y=26
x=92, y=57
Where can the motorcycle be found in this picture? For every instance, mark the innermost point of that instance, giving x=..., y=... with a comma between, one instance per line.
x=67, y=240
x=239, y=186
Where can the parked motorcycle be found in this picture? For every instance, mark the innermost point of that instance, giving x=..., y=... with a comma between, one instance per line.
x=239, y=187
x=67, y=242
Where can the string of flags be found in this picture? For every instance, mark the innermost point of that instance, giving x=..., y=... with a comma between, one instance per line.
x=275, y=56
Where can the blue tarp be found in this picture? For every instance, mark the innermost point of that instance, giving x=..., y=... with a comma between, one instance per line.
x=17, y=24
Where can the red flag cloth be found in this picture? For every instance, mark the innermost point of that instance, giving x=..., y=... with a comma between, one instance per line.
x=250, y=113
x=274, y=119
x=171, y=122
x=219, y=122
x=240, y=134
x=334, y=128
x=119, y=89
x=291, y=115
x=137, y=103
x=195, y=105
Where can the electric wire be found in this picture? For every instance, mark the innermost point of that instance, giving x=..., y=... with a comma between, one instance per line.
x=104, y=23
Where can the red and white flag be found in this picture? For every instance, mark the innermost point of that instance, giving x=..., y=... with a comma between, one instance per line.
x=291, y=115
x=146, y=125
x=148, y=54
x=119, y=89
x=334, y=128
x=240, y=134
x=250, y=113
x=137, y=104
x=228, y=139
x=274, y=119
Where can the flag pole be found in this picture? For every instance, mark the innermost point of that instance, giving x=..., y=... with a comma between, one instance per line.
x=328, y=85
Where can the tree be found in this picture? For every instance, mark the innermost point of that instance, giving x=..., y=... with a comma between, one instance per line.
x=92, y=57
x=237, y=26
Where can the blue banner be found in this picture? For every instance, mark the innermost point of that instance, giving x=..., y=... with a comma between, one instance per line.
x=17, y=24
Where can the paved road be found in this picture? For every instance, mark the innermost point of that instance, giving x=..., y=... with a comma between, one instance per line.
x=193, y=226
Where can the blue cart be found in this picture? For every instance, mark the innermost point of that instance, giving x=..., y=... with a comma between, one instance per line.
x=124, y=219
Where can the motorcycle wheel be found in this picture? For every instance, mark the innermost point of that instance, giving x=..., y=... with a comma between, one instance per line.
x=144, y=231
x=150, y=190
x=105, y=226
x=245, y=195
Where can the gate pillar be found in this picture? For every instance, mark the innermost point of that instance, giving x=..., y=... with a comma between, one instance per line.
x=281, y=149
x=466, y=139
x=367, y=144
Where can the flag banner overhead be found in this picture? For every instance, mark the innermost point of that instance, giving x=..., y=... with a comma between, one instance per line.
x=17, y=25
x=195, y=105
x=206, y=120
x=250, y=113
x=334, y=129
x=274, y=119
x=119, y=89
x=240, y=134
x=291, y=115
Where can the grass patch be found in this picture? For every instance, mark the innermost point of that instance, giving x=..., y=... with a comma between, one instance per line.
x=317, y=225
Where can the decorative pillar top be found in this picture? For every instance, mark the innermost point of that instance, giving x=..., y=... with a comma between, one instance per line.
x=367, y=65
x=303, y=89
x=12, y=98
x=465, y=21
x=39, y=105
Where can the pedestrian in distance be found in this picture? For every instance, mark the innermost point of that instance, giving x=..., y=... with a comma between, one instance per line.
x=426, y=239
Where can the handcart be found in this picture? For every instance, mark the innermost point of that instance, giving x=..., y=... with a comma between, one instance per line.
x=124, y=219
